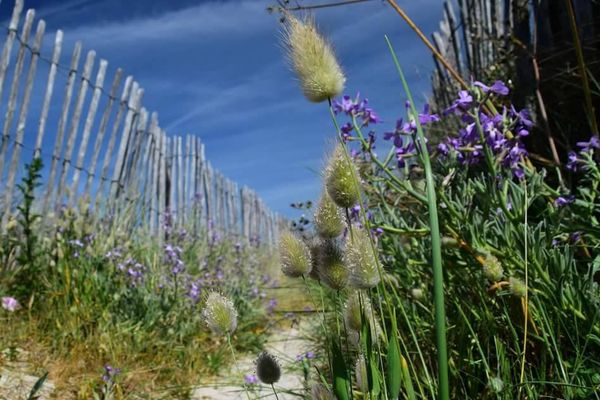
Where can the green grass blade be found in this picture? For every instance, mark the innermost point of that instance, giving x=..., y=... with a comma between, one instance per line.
x=436, y=245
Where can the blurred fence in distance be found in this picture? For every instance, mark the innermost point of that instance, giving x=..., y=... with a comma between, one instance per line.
x=99, y=143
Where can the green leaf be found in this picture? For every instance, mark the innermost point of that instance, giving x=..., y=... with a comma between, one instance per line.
x=341, y=383
x=37, y=386
x=394, y=368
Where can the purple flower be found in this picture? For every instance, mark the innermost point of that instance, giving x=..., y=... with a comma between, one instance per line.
x=426, y=117
x=562, y=201
x=251, y=379
x=346, y=130
x=573, y=161
x=401, y=129
x=356, y=108
x=10, y=304
x=345, y=106
x=462, y=104
x=272, y=305
x=110, y=373
x=594, y=143
x=497, y=87
x=310, y=355
x=575, y=237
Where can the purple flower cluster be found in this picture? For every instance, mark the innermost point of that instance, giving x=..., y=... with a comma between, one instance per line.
x=309, y=355
x=355, y=108
x=403, y=134
x=172, y=258
x=501, y=132
x=576, y=160
x=134, y=271
x=110, y=373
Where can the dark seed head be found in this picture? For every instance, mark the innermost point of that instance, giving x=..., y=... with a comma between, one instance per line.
x=267, y=368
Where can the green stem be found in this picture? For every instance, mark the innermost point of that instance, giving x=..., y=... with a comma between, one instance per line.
x=237, y=367
x=436, y=245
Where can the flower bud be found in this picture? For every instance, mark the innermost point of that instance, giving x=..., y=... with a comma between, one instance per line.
x=295, y=255
x=220, y=314
x=360, y=372
x=332, y=270
x=328, y=218
x=492, y=269
x=517, y=287
x=340, y=179
x=313, y=60
x=353, y=318
x=360, y=260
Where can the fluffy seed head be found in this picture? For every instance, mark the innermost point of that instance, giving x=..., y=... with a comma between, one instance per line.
x=517, y=287
x=340, y=179
x=267, y=368
x=320, y=392
x=328, y=218
x=313, y=60
x=360, y=372
x=315, y=251
x=295, y=255
x=353, y=318
x=496, y=384
x=332, y=270
x=361, y=261
x=220, y=314
x=492, y=269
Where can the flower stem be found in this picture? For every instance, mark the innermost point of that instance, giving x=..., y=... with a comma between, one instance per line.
x=237, y=367
x=274, y=391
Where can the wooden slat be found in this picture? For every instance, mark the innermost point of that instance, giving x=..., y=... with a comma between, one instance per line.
x=14, y=89
x=133, y=109
x=49, y=91
x=162, y=181
x=208, y=193
x=131, y=177
x=102, y=131
x=187, y=178
x=180, y=178
x=62, y=122
x=146, y=170
x=172, y=167
x=194, y=183
x=127, y=94
x=74, y=127
x=8, y=44
x=152, y=184
x=14, y=162
x=87, y=129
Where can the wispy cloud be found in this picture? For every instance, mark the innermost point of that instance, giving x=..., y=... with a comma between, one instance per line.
x=207, y=18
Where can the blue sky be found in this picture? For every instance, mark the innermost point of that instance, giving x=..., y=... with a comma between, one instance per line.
x=215, y=69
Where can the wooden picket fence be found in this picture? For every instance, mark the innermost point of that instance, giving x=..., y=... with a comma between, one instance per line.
x=120, y=158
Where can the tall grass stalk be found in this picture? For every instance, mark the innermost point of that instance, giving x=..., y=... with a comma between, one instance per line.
x=436, y=245
x=526, y=298
x=237, y=367
x=365, y=221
